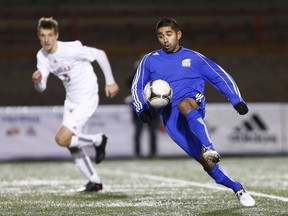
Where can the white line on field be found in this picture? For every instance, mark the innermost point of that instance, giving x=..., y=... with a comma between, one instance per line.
x=191, y=183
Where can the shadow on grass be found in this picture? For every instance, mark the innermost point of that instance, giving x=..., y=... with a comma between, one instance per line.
x=236, y=211
x=93, y=196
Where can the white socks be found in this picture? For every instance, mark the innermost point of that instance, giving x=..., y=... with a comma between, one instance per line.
x=84, y=164
x=82, y=140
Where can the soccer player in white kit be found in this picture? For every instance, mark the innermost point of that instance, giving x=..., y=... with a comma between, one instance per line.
x=71, y=63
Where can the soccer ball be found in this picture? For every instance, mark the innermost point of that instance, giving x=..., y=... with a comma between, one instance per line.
x=158, y=93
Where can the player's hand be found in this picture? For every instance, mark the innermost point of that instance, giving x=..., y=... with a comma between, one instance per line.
x=36, y=77
x=111, y=90
x=241, y=108
x=146, y=117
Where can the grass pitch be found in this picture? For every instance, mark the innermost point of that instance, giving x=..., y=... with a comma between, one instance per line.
x=143, y=187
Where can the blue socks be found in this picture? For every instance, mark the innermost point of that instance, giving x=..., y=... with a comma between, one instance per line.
x=198, y=127
x=221, y=177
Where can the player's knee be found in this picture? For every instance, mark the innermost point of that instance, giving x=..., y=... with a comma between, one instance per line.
x=186, y=105
x=62, y=140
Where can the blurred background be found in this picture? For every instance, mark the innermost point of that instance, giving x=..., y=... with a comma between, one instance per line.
x=248, y=38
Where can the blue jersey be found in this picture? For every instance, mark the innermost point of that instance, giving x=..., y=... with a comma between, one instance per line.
x=186, y=71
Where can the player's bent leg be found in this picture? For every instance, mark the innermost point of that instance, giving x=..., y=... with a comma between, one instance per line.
x=84, y=164
x=221, y=177
x=189, y=108
x=98, y=141
x=216, y=172
x=198, y=127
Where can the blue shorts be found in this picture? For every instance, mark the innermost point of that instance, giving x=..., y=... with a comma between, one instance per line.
x=178, y=129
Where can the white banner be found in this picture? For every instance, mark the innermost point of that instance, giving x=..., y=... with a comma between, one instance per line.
x=260, y=131
x=28, y=132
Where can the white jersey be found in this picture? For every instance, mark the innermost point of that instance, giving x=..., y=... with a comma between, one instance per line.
x=71, y=63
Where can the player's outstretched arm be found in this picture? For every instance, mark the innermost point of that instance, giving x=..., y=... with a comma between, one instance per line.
x=111, y=90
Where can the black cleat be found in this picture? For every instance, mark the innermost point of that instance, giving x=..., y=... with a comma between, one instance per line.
x=100, y=150
x=91, y=187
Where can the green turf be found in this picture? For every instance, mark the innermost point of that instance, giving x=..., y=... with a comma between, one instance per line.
x=143, y=187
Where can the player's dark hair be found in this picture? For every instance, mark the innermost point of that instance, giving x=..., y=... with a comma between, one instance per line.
x=168, y=22
x=47, y=23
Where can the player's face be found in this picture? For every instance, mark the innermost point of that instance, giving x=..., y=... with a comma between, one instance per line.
x=48, y=39
x=169, y=39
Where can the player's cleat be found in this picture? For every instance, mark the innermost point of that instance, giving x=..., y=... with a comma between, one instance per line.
x=245, y=198
x=91, y=187
x=211, y=155
x=100, y=150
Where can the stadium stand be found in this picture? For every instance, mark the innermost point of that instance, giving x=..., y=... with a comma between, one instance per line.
x=125, y=30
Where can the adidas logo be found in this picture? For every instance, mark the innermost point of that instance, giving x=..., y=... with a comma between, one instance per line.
x=252, y=130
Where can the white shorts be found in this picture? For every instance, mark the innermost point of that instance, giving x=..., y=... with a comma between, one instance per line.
x=76, y=115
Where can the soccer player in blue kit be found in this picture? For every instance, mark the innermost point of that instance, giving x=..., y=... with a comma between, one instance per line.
x=186, y=71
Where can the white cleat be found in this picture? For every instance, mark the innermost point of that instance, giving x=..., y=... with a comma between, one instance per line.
x=211, y=155
x=245, y=198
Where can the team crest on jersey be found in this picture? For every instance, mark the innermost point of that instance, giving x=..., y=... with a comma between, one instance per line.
x=186, y=63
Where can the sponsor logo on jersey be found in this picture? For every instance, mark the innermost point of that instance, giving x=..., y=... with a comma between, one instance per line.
x=253, y=130
x=186, y=63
